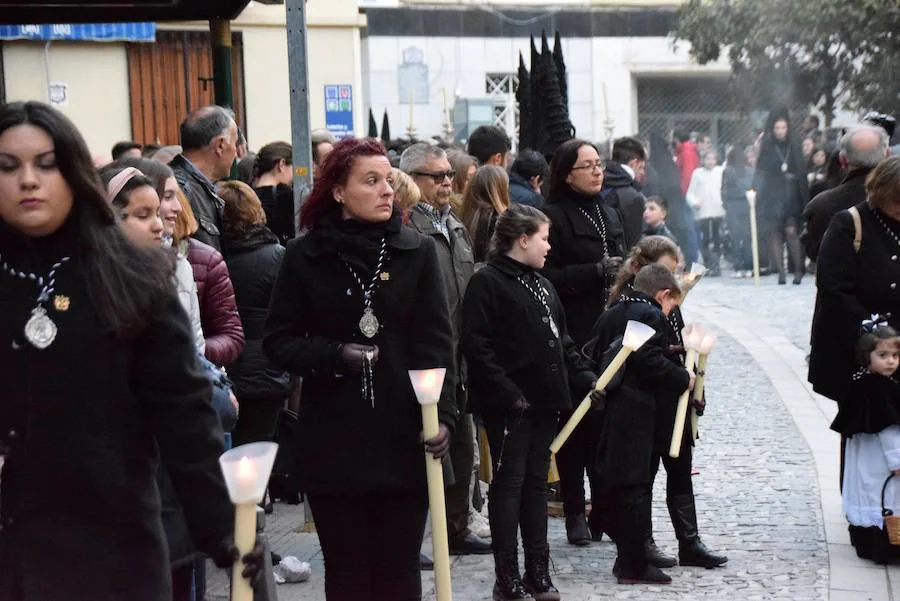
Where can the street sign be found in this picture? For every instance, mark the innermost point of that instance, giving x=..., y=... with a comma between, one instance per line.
x=339, y=110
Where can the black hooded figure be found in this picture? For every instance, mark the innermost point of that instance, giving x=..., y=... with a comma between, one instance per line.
x=662, y=179
x=556, y=127
x=560, y=64
x=782, y=192
x=373, y=126
x=385, y=128
x=535, y=98
x=523, y=97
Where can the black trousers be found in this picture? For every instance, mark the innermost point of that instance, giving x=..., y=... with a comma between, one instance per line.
x=371, y=544
x=628, y=521
x=710, y=231
x=462, y=457
x=256, y=420
x=678, y=471
x=576, y=456
x=738, y=220
x=518, y=493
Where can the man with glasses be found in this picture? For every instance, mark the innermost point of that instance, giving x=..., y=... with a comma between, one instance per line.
x=430, y=169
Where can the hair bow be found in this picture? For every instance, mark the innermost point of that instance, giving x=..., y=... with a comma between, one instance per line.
x=873, y=322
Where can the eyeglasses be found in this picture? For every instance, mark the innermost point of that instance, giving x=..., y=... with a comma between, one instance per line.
x=590, y=167
x=437, y=177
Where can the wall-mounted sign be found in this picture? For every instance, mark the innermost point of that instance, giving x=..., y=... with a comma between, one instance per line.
x=58, y=94
x=339, y=110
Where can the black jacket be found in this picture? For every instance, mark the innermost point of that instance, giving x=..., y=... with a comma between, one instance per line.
x=780, y=196
x=207, y=206
x=521, y=192
x=343, y=443
x=84, y=424
x=851, y=287
x=510, y=348
x=632, y=432
x=818, y=212
x=621, y=192
x=574, y=262
x=872, y=404
x=278, y=203
x=253, y=262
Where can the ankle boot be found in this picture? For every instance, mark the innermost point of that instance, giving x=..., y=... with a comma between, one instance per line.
x=651, y=575
x=577, y=530
x=537, y=576
x=509, y=585
x=691, y=550
x=656, y=557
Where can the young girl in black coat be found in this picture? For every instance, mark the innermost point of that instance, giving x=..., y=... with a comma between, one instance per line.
x=869, y=420
x=523, y=369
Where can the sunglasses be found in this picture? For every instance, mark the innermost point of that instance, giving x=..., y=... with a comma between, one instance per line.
x=437, y=177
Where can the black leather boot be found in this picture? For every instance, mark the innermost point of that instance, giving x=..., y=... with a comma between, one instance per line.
x=656, y=557
x=537, y=576
x=577, y=530
x=509, y=585
x=691, y=550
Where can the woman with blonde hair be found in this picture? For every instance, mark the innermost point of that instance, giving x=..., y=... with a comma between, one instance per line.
x=406, y=191
x=487, y=197
x=465, y=166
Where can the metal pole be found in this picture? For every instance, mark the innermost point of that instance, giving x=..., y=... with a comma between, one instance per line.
x=220, y=32
x=298, y=77
x=299, y=82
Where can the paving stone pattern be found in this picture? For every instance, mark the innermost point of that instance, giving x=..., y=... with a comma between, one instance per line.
x=757, y=491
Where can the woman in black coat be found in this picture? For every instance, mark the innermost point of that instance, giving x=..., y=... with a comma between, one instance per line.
x=853, y=284
x=586, y=249
x=782, y=192
x=254, y=258
x=359, y=302
x=273, y=176
x=663, y=179
x=100, y=380
x=523, y=370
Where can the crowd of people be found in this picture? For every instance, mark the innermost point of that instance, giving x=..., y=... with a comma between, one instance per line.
x=198, y=299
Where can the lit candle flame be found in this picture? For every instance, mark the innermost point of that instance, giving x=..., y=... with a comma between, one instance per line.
x=429, y=379
x=245, y=469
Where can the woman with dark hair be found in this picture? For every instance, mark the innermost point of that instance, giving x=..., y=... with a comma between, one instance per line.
x=79, y=302
x=737, y=179
x=486, y=198
x=833, y=174
x=254, y=258
x=586, y=249
x=663, y=179
x=782, y=189
x=523, y=370
x=465, y=166
x=273, y=175
x=359, y=302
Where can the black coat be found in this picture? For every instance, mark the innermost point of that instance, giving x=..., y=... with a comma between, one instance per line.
x=511, y=351
x=818, y=212
x=521, y=192
x=574, y=262
x=278, y=203
x=621, y=192
x=632, y=432
x=780, y=196
x=84, y=424
x=850, y=288
x=208, y=208
x=253, y=262
x=343, y=443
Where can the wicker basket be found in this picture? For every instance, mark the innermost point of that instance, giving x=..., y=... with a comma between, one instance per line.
x=891, y=521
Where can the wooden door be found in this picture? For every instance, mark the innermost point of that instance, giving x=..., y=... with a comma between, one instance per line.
x=173, y=76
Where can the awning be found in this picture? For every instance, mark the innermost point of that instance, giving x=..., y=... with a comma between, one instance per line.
x=94, y=32
x=14, y=12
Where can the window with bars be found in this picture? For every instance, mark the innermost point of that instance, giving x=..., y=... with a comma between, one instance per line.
x=502, y=87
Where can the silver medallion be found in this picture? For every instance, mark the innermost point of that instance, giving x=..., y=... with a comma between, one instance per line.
x=40, y=330
x=784, y=167
x=553, y=327
x=368, y=323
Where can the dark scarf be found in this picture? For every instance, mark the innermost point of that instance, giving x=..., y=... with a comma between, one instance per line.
x=872, y=404
x=253, y=237
x=355, y=240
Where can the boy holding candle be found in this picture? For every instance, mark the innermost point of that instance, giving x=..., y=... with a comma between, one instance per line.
x=626, y=448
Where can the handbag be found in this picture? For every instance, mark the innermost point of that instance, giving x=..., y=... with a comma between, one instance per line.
x=891, y=521
x=282, y=483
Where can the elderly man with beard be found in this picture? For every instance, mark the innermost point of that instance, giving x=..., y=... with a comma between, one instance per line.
x=430, y=169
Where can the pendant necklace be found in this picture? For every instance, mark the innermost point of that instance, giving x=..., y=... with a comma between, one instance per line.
x=540, y=295
x=784, y=158
x=40, y=330
x=887, y=229
x=368, y=323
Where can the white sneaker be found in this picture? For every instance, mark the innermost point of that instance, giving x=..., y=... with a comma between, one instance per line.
x=479, y=525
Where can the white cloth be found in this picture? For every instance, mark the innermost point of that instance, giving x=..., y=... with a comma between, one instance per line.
x=187, y=294
x=704, y=193
x=868, y=459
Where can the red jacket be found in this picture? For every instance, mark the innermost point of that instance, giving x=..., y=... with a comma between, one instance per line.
x=687, y=158
x=218, y=310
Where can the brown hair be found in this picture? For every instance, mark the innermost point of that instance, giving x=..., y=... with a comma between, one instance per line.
x=406, y=190
x=243, y=209
x=185, y=224
x=489, y=186
x=883, y=184
x=870, y=340
x=460, y=162
x=653, y=279
x=517, y=221
x=647, y=251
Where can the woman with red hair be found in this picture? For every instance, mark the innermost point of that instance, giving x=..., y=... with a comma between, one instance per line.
x=357, y=303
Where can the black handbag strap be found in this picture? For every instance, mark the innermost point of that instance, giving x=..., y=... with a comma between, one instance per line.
x=884, y=510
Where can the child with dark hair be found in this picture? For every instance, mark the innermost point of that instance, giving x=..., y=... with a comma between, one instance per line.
x=869, y=419
x=625, y=452
x=656, y=210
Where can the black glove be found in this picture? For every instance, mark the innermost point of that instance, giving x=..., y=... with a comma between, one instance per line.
x=227, y=553
x=598, y=400
x=700, y=405
x=354, y=356
x=609, y=266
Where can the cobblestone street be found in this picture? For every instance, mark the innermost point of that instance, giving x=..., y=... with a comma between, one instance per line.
x=765, y=495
